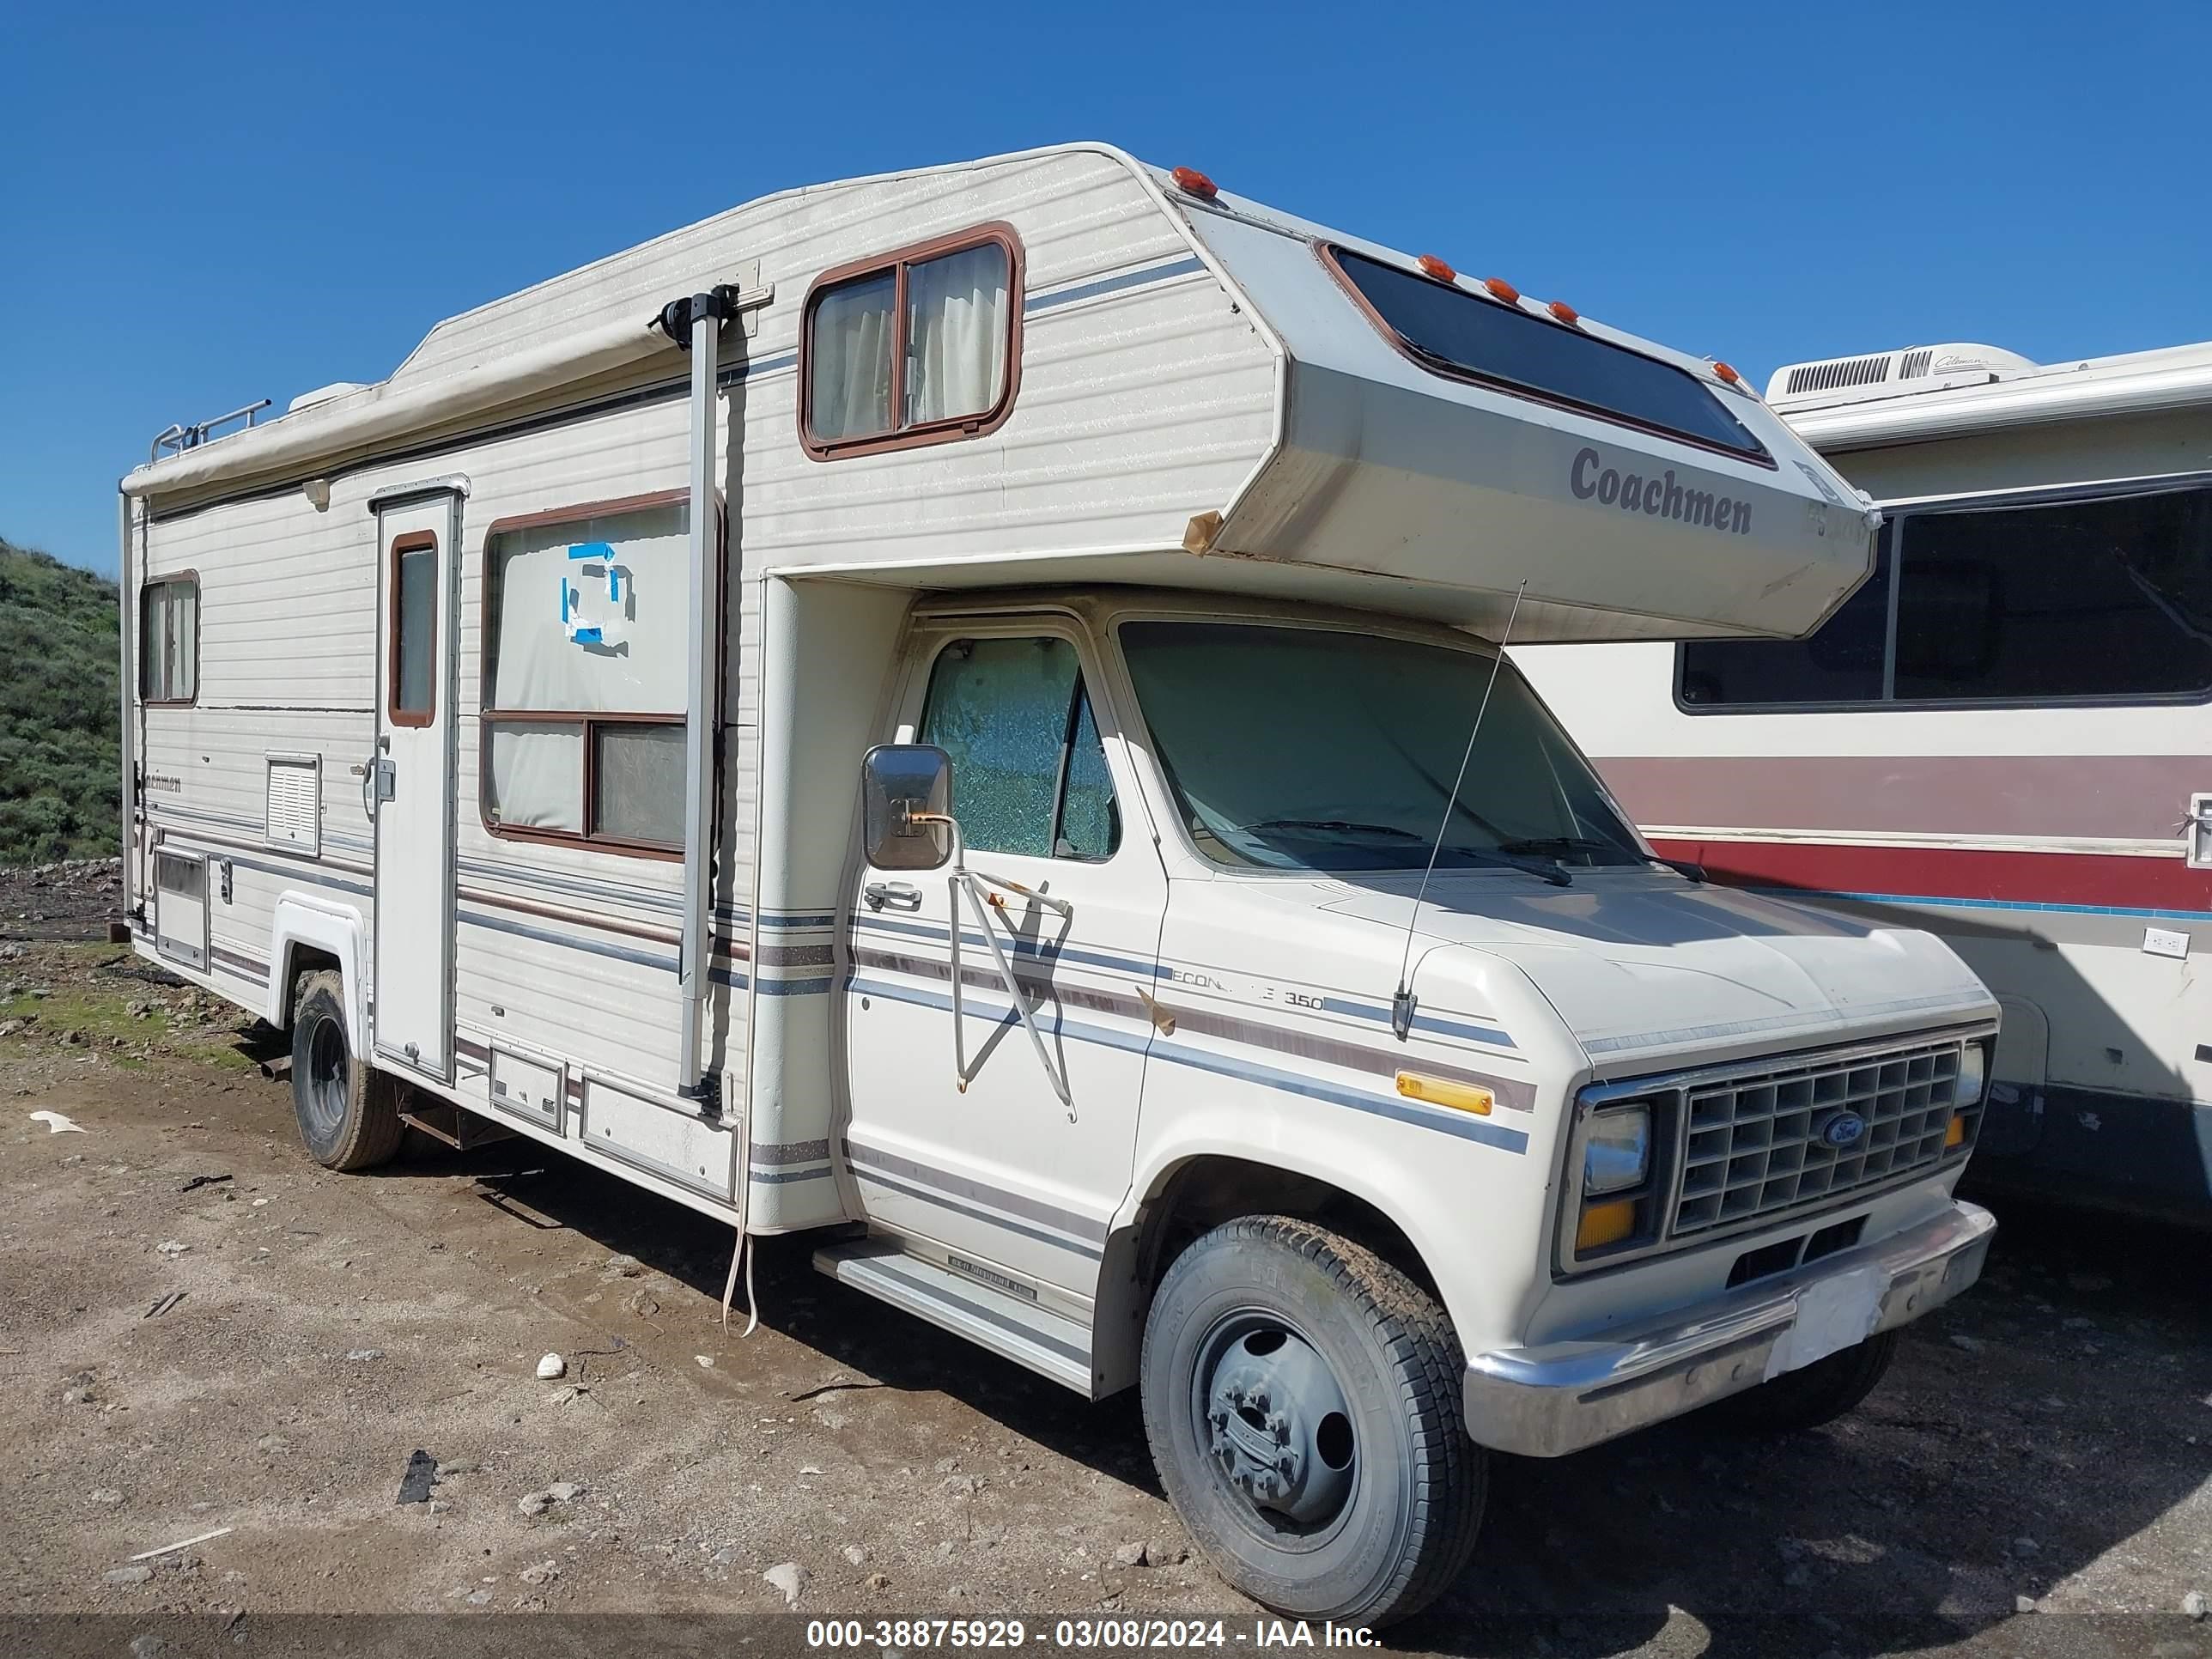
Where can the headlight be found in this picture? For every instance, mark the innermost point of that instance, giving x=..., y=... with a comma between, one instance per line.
x=1973, y=1076
x=1617, y=1149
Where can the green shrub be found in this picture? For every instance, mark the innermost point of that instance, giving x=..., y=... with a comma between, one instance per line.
x=58, y=710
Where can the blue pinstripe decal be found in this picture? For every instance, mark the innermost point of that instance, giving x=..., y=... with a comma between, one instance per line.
x=1186, y=266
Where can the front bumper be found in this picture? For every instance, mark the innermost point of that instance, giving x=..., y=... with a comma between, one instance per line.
x=1559, y=1398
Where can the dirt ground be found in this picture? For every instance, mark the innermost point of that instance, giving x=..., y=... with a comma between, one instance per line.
x=204, y=1338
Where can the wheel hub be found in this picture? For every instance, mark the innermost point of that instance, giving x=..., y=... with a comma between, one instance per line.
x=1277, y=1426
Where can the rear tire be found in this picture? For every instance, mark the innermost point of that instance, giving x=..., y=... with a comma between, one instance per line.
x=348, y=1113
x=1301, y=1398
x=1822, y=1392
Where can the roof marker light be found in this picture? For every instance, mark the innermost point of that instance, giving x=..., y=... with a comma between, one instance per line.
x=1566, y=313
x=1191, y=182
x=1432, y=266
x=1728, y=374
x=1501, y=289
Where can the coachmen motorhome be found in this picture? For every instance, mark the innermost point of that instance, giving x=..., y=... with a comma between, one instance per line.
x=959, y=712
x=2002, y=736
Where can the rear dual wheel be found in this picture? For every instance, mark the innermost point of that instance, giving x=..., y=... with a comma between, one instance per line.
x=1301, y=1398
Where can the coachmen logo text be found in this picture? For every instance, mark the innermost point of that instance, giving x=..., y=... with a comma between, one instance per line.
x=1658, y=496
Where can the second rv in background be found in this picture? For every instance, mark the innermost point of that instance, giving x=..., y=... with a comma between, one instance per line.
x=2005, y=735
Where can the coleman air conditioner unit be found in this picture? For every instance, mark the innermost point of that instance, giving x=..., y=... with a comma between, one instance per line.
x=1890, y=373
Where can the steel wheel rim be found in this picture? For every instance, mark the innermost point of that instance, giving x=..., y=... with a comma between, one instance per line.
x=328, y=1085
x=1274, y=1430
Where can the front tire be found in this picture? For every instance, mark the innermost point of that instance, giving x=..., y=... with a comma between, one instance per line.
x=349, y=1112
x=1821, y=1392
x=1301, y=1398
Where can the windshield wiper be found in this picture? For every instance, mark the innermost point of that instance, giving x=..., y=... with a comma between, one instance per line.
x=1557, y=844
x=1554, y=873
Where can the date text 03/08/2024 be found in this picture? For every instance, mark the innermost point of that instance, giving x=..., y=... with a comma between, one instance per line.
x=903, y=1634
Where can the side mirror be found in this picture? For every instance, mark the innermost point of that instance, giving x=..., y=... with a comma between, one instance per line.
x=897, y=780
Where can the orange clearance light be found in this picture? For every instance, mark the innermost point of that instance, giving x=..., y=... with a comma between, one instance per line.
x=1956, y=1134
x=1191, y=182
x=1432, y=266
x=1566, y=313
x=1728, y=374
x=1605, y=1224
x=1501, y=289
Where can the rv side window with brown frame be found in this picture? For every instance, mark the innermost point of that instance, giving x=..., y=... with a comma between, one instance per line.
x=586, y=649
x=2096, y=595
x=410, y=672
x=169, y=641
x=918, y=346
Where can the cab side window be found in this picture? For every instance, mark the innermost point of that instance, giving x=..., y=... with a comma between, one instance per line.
x=1029, y=772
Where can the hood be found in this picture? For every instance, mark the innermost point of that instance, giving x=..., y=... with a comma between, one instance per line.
x=1643, y=965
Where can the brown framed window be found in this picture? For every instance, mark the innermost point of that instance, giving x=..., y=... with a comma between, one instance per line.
x=586, y=650
x=169, y=639
x=411, y=669
x=921, y=345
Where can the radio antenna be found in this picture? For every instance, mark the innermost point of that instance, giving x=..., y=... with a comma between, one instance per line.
x=1402, y=1001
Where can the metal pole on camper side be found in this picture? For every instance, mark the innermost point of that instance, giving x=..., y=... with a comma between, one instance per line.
x=701, y=716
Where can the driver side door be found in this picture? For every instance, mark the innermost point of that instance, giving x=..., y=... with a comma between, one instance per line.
x=995, y=1171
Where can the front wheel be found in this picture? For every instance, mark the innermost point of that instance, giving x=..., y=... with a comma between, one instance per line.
x=1301, y=1398
x=349, y=1112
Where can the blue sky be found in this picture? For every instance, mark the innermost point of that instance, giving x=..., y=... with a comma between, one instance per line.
x=205, y=205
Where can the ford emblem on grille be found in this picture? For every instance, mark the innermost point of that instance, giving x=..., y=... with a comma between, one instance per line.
x=1843, y=1129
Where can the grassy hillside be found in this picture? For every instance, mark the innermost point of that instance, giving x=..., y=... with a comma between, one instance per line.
x=57, y=710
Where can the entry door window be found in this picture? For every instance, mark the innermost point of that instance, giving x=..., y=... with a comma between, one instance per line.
x=414, y=697
x=1028, y=771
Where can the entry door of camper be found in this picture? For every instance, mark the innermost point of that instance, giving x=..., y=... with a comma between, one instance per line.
x=409, y=786
x=994, y=1166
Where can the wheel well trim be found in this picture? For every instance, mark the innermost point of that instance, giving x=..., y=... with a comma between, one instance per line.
x=1339, y=1160
x=321, y=924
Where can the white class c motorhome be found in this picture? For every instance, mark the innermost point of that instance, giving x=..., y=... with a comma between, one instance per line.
x=2002, y=737
x=921, y=710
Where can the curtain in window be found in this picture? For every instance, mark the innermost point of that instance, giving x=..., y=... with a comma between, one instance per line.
x=621, y=648
x=850, y=359
x=956, y=334
x=537, y=776
x=154, y=647
x=185, y=661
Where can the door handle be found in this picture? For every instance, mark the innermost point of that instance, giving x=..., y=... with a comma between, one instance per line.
x=892, y=896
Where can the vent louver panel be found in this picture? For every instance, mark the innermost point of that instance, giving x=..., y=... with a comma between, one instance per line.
x=293, y=814
x=1842, y=372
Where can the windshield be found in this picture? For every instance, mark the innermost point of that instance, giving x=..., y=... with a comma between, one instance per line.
x=1320, y=749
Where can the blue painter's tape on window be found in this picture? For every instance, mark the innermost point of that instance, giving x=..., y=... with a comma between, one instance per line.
x=591, y=550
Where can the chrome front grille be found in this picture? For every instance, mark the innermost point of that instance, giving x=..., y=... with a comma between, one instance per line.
x=1762, y=1142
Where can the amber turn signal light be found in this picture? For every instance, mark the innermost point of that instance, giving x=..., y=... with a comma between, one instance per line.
x=1605, y=1224
x=1444, y=1092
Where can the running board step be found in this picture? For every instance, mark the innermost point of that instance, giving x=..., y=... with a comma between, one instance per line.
x=1010, y=1326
